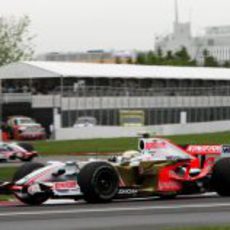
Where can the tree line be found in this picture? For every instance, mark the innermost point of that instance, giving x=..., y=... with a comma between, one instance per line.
x=178, y=58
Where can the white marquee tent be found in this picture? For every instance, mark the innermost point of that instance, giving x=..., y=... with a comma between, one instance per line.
x=48, y=69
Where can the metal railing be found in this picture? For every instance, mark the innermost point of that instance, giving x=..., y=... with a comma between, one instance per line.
x=159, y=105
x=16, y=97
x=104, y=91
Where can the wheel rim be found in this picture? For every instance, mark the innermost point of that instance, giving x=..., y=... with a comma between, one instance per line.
x=104, y=182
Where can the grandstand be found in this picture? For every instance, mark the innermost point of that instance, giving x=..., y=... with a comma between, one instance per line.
x=163, y=93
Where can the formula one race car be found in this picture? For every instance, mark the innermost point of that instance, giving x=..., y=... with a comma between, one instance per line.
x=13, y=151
x=159, y=168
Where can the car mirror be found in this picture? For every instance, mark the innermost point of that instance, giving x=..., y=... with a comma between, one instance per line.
x=59, y=172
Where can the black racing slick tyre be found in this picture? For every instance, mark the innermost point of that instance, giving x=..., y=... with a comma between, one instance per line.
x=220, y=180
x=98, y=182
x=27, y=146
x=27, y=159
x=24, y=170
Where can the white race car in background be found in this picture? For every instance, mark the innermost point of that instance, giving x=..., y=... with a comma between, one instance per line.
x=14, y=151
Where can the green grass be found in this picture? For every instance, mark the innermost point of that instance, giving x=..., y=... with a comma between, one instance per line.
x=115, y=145
x=208, y=138
x=6, y=197
x=6, y=173
x=85, y=146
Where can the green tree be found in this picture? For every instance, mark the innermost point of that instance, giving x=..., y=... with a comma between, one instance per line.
x=182, y=58
x=129, y=60
x=151, y=58
x=15, y=40
x=169, y=56
x=159, y=53
x=209, y=61
x=226, y=64
x=141, y=58
x=179, y=58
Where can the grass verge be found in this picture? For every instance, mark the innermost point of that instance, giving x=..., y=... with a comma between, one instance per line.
x=6, y=174
x=114, y=145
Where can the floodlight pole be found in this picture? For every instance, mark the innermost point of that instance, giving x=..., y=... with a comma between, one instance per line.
x=62, y=95
x=1, y=105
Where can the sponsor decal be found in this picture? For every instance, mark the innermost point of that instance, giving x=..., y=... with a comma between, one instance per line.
x=204, y=149
x=168, y=186
x=127, y=191
x=65, y=185
x=154, y=145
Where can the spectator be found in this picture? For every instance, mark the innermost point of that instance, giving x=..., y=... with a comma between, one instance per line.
x=25, y=88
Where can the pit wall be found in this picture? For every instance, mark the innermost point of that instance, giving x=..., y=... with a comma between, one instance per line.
x=117, y=131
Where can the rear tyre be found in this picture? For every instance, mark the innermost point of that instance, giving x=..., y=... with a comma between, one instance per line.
x=27, y=146
x=24, y=197
x=27, y=159
x=98, y=182
x=220, y=180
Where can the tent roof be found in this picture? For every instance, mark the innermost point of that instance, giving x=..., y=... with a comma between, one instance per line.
x=50, y=69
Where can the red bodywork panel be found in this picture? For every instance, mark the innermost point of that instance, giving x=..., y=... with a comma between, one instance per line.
x=170, y=181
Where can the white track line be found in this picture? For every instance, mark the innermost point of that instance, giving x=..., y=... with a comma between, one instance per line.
x=106, y=210
x=60, y=201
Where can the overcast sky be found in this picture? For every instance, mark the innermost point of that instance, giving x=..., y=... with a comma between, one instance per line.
x=78, y=25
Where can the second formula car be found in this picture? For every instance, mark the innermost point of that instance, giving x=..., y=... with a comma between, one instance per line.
x=16, y=151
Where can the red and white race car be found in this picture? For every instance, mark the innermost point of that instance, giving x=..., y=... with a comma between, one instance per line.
x=158, y=168
x=24, y=128
x=14, y=151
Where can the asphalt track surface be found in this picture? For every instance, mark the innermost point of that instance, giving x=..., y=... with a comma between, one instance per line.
x=150, y=213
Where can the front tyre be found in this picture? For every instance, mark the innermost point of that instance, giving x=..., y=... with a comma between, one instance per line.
x=220, y=180
x=98, y=182
x=24, y=196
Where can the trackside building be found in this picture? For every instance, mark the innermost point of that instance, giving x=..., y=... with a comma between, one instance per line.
x=164, y=94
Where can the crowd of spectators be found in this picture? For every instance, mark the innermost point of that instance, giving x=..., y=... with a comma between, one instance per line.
x=81, y=89
x=36, y=87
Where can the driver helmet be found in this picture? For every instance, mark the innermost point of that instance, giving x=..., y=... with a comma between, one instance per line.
x=130, y=154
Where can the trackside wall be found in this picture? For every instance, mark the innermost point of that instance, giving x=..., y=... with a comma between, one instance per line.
x=117, y=131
